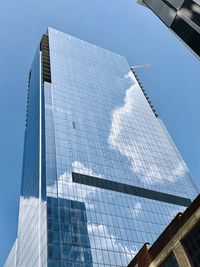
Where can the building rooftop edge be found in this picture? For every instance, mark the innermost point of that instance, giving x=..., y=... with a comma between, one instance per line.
x=141, y=2
x=88, y=42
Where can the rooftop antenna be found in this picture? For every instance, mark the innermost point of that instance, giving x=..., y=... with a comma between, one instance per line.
x=144, y=66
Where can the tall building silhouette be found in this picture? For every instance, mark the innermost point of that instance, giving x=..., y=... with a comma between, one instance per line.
x=101, y=174
x=182, y=17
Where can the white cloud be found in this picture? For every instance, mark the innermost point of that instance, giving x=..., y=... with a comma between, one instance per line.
x=100, y=238
x=122, y=140
x=103, y=240
x=67, y=187
x=137, y=208
x=80, y=168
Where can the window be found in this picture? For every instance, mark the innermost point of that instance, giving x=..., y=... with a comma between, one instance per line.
x=191, y=244
x=170, y=261
x=187, y=34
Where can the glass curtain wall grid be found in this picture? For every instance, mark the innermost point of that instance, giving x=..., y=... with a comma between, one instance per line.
x=182, y=17
x=101, y=175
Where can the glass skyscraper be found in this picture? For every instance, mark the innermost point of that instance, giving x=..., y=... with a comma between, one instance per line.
x=101, y=175
x=182, y=17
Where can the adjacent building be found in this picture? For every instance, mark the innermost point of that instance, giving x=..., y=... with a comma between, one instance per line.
x=101, y=175
x=182, y=17
x=178, y=245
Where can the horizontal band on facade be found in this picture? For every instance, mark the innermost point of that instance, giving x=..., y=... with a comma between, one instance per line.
x=129, y=189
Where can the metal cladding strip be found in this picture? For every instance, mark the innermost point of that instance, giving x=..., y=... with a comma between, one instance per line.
x=46, y=68
x=144, y=92
x=129, y=189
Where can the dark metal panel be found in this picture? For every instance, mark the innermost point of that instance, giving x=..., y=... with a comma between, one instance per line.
x=129, y=189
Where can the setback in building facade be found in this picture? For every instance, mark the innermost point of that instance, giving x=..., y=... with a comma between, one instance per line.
x=101, y=174
x=182, y=17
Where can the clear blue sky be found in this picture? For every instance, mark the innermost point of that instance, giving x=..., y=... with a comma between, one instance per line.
x=118, y=25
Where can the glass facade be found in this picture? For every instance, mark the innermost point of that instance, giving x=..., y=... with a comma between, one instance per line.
x=182, y=17
x=101, y=175
x=11, y=259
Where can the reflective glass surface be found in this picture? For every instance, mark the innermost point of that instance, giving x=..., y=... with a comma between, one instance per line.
x=30, y=247
x=11, y=259
x=28, y=234
x=182, y=17
x=93, y=120
x=99, y=124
